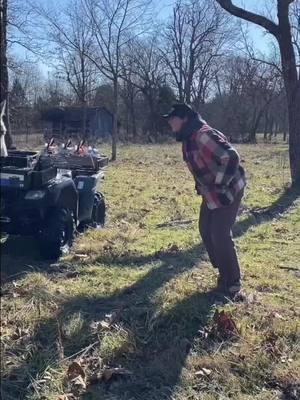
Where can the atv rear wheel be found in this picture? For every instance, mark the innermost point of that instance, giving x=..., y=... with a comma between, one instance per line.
x=57, y=235
x=98, y=214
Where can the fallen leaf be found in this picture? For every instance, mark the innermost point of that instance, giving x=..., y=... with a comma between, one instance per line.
x=75, y=370
x=104, y=324
x=97, y=326
x=109, y=373
x=251, y=298
x=203, y=372
x=275, y=314
x=204, y=333
x=207, y=371
x=19, y=333
x=280, y=229
x=110, y=320
x=79, y=381
x=80, y=256
x=224, y=324
x=18, y=291
x=173, y=248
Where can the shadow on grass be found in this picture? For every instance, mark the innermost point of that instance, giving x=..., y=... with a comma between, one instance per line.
x=160, y=342
x=153, y=341
x=260, y=215
x=18, y=256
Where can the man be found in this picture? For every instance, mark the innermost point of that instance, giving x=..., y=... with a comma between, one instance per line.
x=220, y=179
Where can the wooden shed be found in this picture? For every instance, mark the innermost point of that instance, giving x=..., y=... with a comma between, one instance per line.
x=76, y=121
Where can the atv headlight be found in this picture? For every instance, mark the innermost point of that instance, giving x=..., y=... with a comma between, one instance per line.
x=35, y=195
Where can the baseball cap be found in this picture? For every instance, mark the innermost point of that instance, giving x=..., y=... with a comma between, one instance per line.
x=180, y=110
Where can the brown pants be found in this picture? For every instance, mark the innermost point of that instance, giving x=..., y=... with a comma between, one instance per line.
x=215, y=229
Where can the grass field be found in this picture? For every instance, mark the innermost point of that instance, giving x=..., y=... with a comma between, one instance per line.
x=128, y=315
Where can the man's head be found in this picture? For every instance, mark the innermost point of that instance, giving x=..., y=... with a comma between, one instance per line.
x=179, y=114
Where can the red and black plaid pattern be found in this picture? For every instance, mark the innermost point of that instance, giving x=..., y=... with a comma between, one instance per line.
x=215, y=165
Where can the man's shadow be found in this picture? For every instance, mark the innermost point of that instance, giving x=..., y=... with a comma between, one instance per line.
x=161, y=341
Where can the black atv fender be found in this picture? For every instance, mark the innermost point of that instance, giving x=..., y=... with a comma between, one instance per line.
x=63, y=194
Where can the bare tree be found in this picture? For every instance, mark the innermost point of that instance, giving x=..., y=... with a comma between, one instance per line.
x=115, y=23
x=129, y=92
x=22, y=29
x=295, y=25
x=147, y=75
x=194, y=39
x=261, y=89
x=70, y=40
x=283, y=33
x=73, y=63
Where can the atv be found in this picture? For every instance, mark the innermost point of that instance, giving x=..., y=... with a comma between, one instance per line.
x=51, y=195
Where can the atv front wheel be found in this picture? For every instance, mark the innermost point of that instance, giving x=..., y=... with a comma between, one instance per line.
x=57, y=235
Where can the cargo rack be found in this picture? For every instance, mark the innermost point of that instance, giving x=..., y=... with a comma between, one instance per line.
x=71, y=161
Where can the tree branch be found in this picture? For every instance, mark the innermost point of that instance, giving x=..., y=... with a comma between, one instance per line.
x=249, y=16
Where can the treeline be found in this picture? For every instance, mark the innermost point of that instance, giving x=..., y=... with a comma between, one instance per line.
x=111, y=54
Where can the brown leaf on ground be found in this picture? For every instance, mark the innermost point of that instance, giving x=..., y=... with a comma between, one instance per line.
x=19, y=333
x=270, y=344
x=173, y=248
x=17, y=290
x=224, y=325
x=75, y=370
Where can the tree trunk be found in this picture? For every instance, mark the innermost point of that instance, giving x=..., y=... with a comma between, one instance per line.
x=84, y=118
x=127, y=125
x=4, y=70
x=115, y=122
x=284, y=134
x=266, y=126
x=271, y=128
x=285, y=126
x=132, y=115
x=292, y=88
x=133, y=122
x=294, y=135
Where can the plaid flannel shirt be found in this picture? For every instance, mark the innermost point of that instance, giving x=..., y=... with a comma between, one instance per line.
x=215, y=165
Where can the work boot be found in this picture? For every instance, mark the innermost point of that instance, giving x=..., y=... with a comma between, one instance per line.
x=235, y=293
